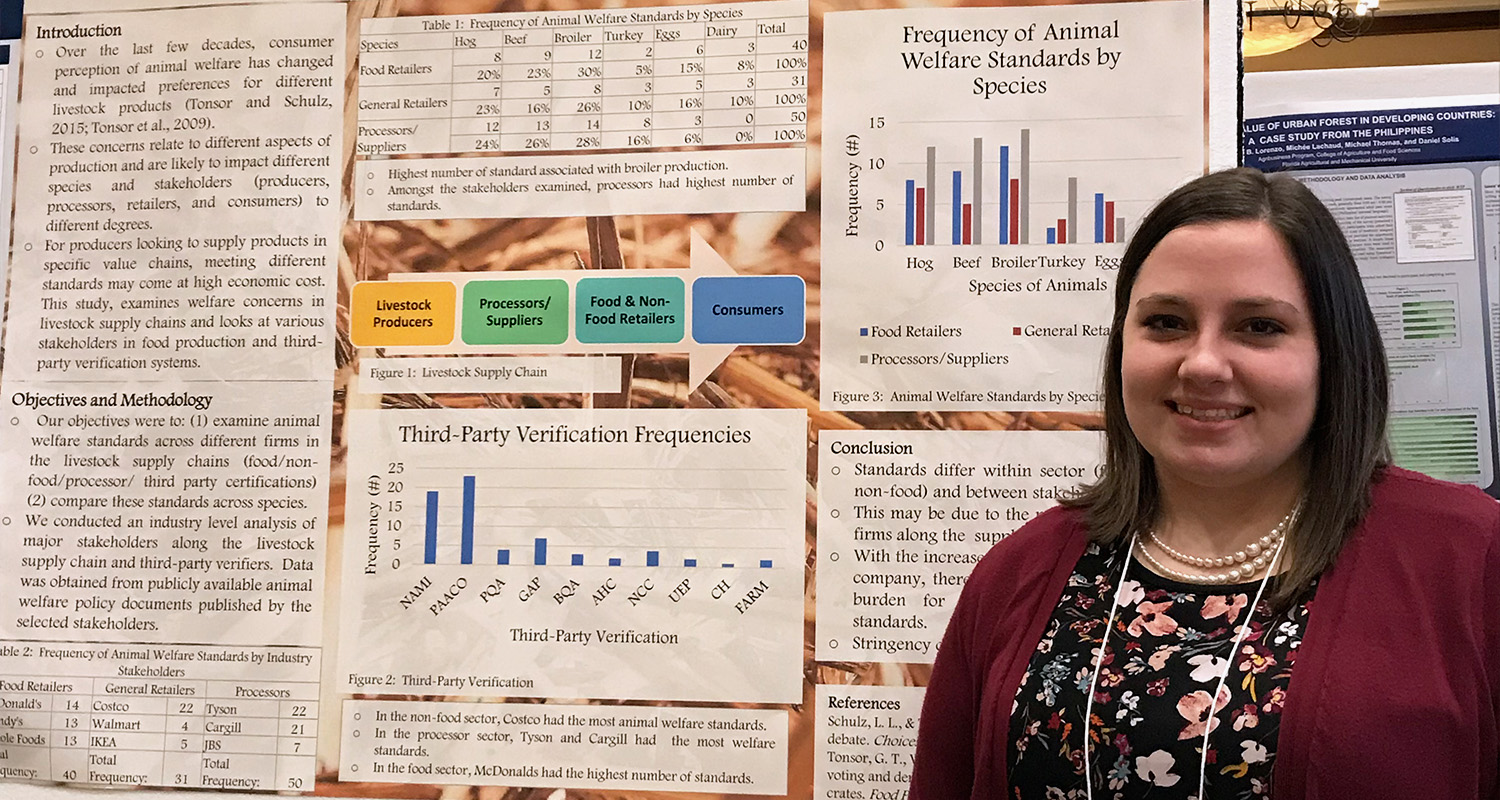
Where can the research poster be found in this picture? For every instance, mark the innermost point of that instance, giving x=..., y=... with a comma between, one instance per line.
x=436, y=399
x=1406, y=159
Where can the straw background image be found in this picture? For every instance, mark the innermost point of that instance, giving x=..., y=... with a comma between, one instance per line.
x=783, y=243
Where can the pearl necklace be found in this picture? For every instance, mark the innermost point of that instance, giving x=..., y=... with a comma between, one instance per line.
x=1259, y=553
x=1233, y=575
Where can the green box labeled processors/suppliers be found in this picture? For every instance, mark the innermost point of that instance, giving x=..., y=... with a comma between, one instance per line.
x=515, y=312
x=631, y=310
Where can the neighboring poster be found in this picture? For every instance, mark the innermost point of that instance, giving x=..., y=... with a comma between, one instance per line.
x=1409, y=173
x=426, y=399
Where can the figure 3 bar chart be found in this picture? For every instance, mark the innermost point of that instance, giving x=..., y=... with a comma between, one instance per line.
x=983, y=170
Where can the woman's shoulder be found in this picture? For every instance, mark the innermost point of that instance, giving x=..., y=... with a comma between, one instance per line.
x=1045, y=530
x=1021, y=568
x=1036, y=544
x=1425, y=517
x=1416, y=498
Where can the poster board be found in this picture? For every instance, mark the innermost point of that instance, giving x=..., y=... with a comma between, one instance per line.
x=412, y=396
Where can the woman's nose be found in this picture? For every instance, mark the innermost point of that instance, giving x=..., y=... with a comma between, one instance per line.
x=1206, y=360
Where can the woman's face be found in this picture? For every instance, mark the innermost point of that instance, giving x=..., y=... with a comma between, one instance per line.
x=1219, y=365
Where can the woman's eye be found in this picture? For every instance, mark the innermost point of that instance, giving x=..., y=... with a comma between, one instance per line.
x=1264, y=327
x=1164, y=322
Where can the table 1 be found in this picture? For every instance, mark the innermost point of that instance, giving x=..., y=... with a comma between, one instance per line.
x=672, y=76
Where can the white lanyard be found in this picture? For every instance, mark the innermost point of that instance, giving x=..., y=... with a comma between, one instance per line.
x=1213, y=703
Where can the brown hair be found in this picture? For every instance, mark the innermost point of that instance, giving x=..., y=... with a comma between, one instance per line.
x=1346, y=444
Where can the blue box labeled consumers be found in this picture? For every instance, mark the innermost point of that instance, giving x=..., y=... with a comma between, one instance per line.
x=749, y=309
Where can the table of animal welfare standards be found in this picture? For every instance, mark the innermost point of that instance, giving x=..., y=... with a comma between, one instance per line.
x=191, y=716
x=671, y=76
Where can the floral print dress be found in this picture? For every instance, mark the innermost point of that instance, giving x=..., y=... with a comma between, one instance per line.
x=1152, y=706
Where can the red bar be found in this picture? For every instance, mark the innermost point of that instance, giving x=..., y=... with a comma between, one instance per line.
x=1109, y=220
x=1015, y=211
x=968, y=223
x=1062, y=231
x=921, y=216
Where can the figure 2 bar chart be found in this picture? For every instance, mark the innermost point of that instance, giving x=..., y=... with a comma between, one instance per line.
x=598, y=553
x=453, y=534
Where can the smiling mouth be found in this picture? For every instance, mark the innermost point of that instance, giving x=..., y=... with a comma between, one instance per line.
x=1208, y=414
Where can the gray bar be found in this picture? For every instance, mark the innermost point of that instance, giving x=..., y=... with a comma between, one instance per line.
x=1119, y=229
x=1072, y=210
x=977, y=218
x=1025, y=186
x=931, y=232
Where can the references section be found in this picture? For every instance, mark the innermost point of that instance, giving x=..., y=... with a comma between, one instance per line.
x=866, y=738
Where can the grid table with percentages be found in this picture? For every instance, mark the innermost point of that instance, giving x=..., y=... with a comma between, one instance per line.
x=193, y=721
x=674, y=76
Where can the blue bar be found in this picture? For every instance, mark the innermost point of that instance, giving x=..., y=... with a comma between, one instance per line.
x=765, y=563
x=690, y=562
x=466, y=543
x=430, y=555
x=1098, y=218
x=502, y=556
x=1051, y=236
x=578, y=559
x=958, y=207
x=614, y=562
x=653, y=558
x=911, y=212
x=726, y=566
x=541, y=552
x=1004, y=194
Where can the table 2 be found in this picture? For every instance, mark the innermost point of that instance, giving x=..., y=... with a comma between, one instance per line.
x=672, y=76
x=183, y=726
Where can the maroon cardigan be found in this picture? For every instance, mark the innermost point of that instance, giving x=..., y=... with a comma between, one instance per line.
x=1396, y=691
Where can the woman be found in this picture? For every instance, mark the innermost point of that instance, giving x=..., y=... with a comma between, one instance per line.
x=1250, y=601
